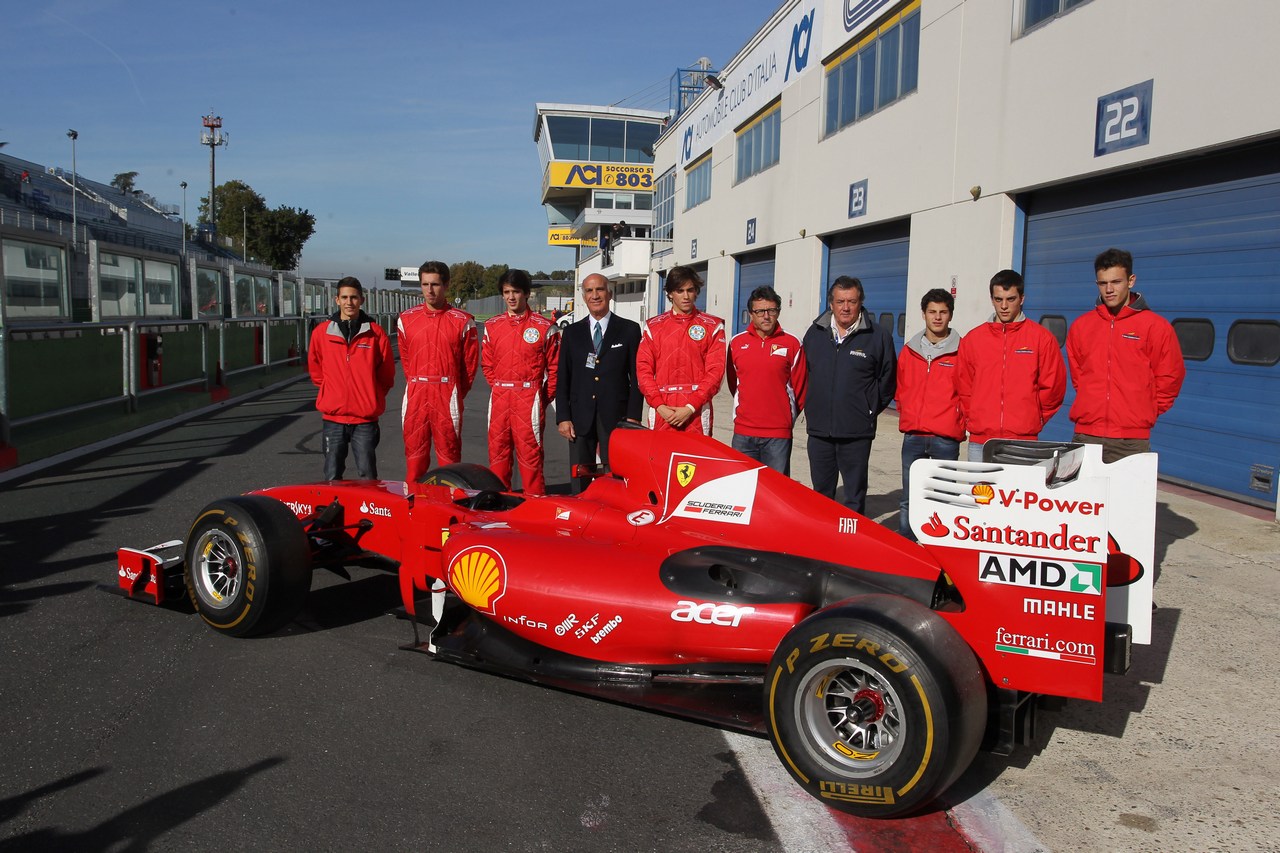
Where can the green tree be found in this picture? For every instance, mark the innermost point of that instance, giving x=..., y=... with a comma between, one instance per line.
x=492, y=273
x=124, y=181
x=279, y=235
x=275, y=237
x=465, y=280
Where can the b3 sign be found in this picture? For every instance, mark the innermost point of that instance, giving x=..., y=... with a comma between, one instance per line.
x=602, y=176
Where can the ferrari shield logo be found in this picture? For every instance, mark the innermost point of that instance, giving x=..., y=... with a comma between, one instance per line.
x=684, y=473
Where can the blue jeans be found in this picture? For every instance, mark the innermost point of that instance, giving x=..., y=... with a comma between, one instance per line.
x=920, y=447
x=844, y=459
x=361, y=438
x=774, y=452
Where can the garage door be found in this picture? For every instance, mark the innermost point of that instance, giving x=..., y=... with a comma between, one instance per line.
x=878, y=258
x=754, y=270
x=1206, y=244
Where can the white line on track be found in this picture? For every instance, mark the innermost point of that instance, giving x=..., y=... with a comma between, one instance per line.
x=802, y=824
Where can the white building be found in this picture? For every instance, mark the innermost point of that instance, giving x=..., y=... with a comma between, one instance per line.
x=931, y=143
x=597, y=173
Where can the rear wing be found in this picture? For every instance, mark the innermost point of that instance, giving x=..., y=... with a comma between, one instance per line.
x=1051, y=550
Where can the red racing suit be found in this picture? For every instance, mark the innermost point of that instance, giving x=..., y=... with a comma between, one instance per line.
x=1127, y=370
x=439, y=354
x=354, y=377
x=927, y=400
x=680, y=362
x=1011, y=379
x=520, y=358
x=768, y=378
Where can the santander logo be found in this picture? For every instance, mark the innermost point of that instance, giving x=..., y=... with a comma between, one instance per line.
x=934, y=527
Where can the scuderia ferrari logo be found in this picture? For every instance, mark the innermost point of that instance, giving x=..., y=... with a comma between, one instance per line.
x=710, y=489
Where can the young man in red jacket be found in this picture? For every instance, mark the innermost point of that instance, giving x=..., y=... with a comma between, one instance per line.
x=1011, y=378
x=680, y=362
x=439, y=354
x=929, y=414
x=1126, y=363
x=350, y=360
x=519, y=357
x=767, y=374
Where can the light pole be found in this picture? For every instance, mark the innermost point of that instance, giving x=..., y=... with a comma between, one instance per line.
x=184, y=218
x=73, y=136
x=213, y=137
x=244, y=232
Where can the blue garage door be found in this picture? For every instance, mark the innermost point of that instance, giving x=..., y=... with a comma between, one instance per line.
x=1206, y=247
x=878, y=258
x=754, y=270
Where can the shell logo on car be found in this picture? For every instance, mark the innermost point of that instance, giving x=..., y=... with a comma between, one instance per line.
x=983, y=493
x=479, y=577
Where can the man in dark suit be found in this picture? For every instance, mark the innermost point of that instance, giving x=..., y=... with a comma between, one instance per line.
x=597, y=378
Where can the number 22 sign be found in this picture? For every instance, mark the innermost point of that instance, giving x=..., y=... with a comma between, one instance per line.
x=1124, y=119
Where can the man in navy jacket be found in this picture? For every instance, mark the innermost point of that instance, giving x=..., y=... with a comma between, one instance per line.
x=852, y=367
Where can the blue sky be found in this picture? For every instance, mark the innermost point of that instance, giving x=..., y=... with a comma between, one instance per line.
x=406, y=128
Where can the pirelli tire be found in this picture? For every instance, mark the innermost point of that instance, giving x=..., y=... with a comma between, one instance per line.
x=875, y=705
x=248, y=565
x=464, y=475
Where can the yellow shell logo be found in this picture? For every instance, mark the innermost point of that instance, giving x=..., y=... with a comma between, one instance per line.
x=684, y=473
x=983, y=493
x=479, y=577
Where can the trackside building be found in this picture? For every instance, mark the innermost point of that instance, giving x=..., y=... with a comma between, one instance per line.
x=930, y=143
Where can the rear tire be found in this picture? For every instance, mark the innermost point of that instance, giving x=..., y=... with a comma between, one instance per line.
x=464, y=475
x=248, y=566
x=875, y=706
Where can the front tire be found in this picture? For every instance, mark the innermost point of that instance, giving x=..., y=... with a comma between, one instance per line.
x=875, y=706
x=248, y=565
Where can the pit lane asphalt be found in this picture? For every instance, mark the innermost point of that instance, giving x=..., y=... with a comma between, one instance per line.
x=127, y=724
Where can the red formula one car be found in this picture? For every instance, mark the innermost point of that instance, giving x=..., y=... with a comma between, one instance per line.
x=694, y=581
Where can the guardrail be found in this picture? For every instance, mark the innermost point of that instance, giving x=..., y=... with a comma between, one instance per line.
x=56, y=370
x=53, y=370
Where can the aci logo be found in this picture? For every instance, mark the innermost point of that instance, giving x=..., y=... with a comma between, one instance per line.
x=795, y=56
x=687, y=151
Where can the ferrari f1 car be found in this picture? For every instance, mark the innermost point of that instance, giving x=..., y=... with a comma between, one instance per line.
x=694, y=581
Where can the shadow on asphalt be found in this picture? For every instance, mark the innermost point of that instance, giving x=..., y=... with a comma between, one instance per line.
x=137, y=827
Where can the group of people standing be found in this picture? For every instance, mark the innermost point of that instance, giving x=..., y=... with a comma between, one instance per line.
x=1003, y=379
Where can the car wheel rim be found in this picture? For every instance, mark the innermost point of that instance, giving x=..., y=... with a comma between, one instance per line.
x=850, y=719
x=217, y=572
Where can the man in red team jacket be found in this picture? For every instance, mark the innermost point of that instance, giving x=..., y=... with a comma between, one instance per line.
x=929, y=414
x=1011, y=376
x=439, y=354
x=767, y=374
x=520, y=357
x=681, y=358
x=1126, y=363
x=350, y=360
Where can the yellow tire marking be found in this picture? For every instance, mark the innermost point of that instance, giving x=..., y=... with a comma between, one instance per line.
x=928, y=740
x=773, y=723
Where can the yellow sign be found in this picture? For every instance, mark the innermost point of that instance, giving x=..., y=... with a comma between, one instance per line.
x=601, y=176
x=684, y=473
x=563, y=236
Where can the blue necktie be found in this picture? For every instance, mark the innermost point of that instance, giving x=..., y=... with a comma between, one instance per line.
x=595, y=339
